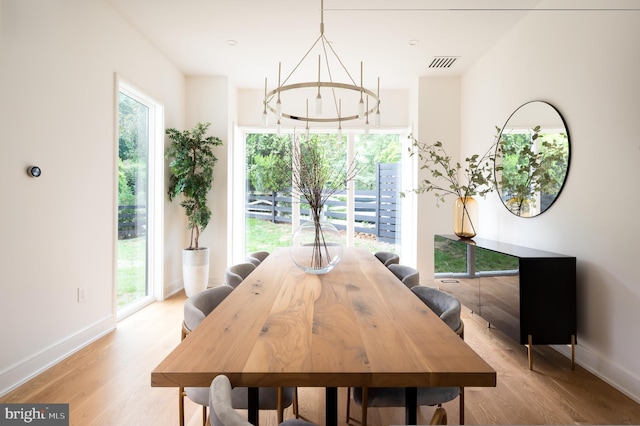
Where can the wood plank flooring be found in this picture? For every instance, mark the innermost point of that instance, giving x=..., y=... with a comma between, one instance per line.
x=108, y=383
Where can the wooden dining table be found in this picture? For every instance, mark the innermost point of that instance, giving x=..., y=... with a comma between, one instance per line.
x=357, y=325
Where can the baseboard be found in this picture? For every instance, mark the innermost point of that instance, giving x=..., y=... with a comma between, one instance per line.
x=173, y=288
x=617, y=376
x=19, y=373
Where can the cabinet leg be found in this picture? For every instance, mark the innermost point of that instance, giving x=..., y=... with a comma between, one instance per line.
x=530, y=352
x=573, y=351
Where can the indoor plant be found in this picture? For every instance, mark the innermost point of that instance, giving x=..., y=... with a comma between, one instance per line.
x=191, y=162
x=477, y=179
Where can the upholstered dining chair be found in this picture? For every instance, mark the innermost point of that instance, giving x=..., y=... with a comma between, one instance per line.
x=387, y=258
x=408, y=275
x=448, y=308
x=443, y=304
x=235, y=274
x=196, y=308
x=222, y=408
x=257, y=257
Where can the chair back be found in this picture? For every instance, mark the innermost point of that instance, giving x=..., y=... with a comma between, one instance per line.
x=446, y=306
x=408, y=275
x=257, y=257
x=198, y=306
x=235, y=274
x=387, y=258
x=221, y=412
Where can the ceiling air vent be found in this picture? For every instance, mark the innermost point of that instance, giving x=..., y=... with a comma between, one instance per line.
x=442, y=61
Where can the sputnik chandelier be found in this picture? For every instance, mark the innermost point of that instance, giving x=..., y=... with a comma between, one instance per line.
x=291, y=99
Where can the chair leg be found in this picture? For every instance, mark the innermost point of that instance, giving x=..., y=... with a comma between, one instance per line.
x=295, y=403
x=365, y=405
x=204, y=415
x=348, y=402
x=439, y=416
x=280, y=405
x=181, y=405
x=461, y=406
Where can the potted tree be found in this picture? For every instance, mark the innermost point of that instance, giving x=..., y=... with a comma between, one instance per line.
x=191, y=162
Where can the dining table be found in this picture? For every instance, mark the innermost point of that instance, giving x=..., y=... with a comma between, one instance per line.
x=356, y=326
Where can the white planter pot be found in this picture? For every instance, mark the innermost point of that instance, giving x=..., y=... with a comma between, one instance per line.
x=195, y=270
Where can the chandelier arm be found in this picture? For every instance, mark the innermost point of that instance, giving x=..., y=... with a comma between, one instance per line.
x=341, y=64
x=303, y=58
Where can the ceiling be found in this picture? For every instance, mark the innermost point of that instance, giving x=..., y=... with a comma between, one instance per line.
x=395, y=39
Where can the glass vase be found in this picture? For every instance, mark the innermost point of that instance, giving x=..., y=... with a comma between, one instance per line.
x=465, y=217
x=316, y=246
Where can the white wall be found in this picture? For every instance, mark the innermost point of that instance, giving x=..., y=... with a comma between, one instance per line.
x=58, y=60
x=589, y=69
x=438, y=119
x=210, y=100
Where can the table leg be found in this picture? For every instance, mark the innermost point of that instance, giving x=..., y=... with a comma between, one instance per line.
x=411, y=403
x=331, y=407
x=253, y=405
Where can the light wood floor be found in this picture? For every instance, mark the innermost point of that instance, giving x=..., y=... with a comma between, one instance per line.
x=108, y=383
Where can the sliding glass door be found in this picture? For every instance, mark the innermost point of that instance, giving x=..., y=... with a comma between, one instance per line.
x=137, y=143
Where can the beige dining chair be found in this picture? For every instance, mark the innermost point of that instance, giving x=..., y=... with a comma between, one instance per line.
x=257, y=257
x=408, y=275
x=448, y=308
x=222, y=408
x=196, y=308
x=235, y=274
x=387, y=258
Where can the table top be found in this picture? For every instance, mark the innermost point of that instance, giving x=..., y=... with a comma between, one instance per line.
x=358, y=325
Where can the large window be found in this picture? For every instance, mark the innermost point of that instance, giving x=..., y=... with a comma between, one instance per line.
x=139, y=119
x=367, y=211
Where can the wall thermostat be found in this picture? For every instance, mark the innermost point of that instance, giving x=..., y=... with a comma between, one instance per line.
x=34, y=171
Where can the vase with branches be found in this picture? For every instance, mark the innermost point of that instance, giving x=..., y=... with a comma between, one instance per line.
x=474, y=177
x=316, y=246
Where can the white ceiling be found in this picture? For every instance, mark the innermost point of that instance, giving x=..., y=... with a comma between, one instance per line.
x=195, y=34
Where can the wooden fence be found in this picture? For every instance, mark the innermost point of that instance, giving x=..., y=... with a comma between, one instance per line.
x=377, y=212
x=132, y=221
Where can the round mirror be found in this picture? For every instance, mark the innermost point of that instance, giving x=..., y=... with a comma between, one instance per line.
x=532, y=159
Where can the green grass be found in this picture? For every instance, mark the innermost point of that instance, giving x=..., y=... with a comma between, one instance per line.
x=131, y=274
x=263, y=235
x=451, y=257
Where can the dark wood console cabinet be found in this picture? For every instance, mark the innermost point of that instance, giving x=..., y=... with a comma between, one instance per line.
x=528, y=294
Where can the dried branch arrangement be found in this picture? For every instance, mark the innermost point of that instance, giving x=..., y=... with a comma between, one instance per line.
x=315, y=181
